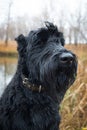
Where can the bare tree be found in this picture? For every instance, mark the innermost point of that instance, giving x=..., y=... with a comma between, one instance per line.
x=22, y=25
x=70, y=35
x=8, y=21
x=78, y=24
x=2, y=31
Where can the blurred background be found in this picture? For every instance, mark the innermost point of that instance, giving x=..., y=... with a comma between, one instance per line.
x=21, y=16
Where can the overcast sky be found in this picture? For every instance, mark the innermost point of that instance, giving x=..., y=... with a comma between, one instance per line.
x=35, y=7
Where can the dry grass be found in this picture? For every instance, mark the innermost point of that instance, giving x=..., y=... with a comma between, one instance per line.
x=74, y=106
x=11, y=48
x=8, y=60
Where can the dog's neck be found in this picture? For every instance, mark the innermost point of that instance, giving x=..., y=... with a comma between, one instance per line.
x=32, y=87
x=40, y=89
x=27, y=83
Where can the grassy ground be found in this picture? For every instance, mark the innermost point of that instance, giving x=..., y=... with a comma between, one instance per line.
x=74, y=106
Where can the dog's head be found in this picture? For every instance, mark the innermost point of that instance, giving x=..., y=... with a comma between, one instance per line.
x=45, y=61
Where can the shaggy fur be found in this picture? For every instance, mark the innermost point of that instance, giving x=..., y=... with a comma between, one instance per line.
x=45, y=62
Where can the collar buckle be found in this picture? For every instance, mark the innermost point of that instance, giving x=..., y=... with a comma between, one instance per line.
x=33, y=87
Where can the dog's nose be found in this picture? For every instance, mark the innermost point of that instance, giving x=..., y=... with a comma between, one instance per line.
x=66, y=58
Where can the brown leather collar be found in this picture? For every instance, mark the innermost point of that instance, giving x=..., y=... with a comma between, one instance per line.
x=31, y=86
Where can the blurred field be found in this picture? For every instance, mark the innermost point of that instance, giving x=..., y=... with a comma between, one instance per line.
x=74, y=106
x=9, y=50
x=10, y=60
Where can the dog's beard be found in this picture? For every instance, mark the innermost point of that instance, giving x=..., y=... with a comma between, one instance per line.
x=57, y=80
x=58, y=75
x=64, y=81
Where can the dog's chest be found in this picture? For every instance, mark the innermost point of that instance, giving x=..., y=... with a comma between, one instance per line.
x=39, y=115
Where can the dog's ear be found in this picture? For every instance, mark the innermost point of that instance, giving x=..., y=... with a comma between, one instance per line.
x=22, y=43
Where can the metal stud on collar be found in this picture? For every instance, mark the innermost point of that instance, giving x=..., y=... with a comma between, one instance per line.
x=25, y=81
x=40, y=88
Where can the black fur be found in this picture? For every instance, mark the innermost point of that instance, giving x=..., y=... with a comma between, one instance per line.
x=39, y=61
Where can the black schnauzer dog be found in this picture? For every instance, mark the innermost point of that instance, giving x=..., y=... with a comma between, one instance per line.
x=45, y=71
